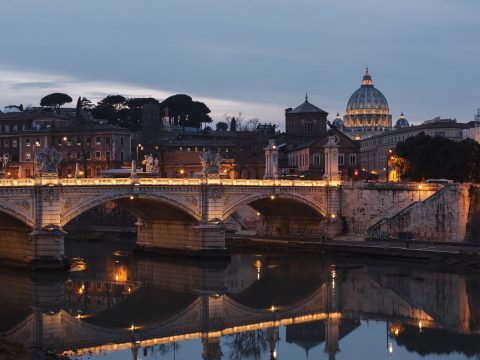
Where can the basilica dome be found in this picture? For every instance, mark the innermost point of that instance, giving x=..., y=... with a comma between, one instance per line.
x=367, y=110
x=402, y=122
x=338, y=122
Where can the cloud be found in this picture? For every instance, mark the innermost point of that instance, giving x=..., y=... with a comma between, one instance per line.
x=32, y=86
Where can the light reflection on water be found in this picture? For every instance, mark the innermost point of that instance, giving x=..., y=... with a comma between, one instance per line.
x=114, y=305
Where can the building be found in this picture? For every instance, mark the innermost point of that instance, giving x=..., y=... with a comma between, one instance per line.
x=92, y=144
x=375, y=151
x=367, y=112
x=308, y=158
x=305, y=122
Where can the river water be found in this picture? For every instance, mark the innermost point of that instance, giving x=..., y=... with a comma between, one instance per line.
x=117, y=305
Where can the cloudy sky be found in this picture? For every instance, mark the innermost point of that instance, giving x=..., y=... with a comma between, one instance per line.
x=252, y=56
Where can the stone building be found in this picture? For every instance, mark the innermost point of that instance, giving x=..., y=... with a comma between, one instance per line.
x=367, y=112
x=305, y=122
x=308, y=158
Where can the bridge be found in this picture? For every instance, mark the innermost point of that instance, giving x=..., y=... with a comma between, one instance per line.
x=187, y=215
x=177, y=214
x=207, y=307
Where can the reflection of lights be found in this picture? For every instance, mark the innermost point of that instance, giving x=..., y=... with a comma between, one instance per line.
x=132, y=327
x=274, y=354
x=258, y=214
x=80, y=291
x=333, y=216
x=390, y=348
x=420, y=326
x=258, y=266
x=132, y=197
x=272, y=197
x=272, y=308
x=129, y=289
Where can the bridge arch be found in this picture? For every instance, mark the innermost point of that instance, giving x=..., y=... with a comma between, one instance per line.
x=19, y=212
x=133, y=203
x=294, y=199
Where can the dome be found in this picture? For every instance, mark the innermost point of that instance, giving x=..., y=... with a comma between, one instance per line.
x=402, y=122
x=338, y=122
x=367, y=97
x=367, y=111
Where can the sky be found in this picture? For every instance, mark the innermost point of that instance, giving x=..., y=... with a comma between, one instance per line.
x=257, y=57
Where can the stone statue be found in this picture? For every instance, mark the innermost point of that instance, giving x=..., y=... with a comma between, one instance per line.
x=210, y=164
x=149, y=163
x=156, y=167
x=3, y=162
x=47, y=161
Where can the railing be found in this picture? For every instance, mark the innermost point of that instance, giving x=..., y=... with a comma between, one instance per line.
x=160, y=181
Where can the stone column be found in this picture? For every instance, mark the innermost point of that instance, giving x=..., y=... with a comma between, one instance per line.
x=271, y=160
x=331, y=160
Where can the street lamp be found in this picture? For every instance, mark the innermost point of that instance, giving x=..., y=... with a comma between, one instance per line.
x=35, y=144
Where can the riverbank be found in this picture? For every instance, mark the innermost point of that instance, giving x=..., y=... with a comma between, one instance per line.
x=447, y=257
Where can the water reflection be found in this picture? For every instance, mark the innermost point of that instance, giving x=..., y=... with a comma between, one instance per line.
x=252, y=307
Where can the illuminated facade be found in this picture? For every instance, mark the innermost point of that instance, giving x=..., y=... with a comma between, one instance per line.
x=367, y=111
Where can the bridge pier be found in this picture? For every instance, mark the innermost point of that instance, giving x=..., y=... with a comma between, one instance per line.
x=47, y=249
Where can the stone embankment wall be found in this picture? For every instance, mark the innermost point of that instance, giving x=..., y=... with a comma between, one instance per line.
x=363, y=205
x=444, y=216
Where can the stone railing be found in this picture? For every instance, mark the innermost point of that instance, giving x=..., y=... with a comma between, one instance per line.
x=159, y=181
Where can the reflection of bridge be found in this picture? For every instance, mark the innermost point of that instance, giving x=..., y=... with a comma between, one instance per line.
x=211, y=311
x=189, y=210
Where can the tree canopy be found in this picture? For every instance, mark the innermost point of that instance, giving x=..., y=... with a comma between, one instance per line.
x=222, y=126
x=183, y=111
x=424, y=157
x=55, y=100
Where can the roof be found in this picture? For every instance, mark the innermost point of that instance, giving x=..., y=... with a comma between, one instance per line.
x=438, y=125
x=306, y=108
x=344, y=141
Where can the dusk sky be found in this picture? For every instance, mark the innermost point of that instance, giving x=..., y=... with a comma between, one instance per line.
x=256, y=57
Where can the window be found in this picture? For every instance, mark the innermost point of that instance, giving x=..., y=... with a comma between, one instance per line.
x=27, y=172
x=78, y=155
x=121, y=141
x=88, y=155
x=107, y=155
x=98, y=140
x=79, y=141
x=309, y=126
x=341, y=159
x=59, y=141
x=15, y=128
x=97, y=154
x=353, y=159
x=317, y=158
x=107, y=140
x=122, y=156
x=14, y=143
x=6, y=144
x=28, y=156
x=69, y=155
x=7, y=128
x=294, y=127
x=27, y=142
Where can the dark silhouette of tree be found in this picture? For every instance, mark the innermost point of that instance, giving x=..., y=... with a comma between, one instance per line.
x=424, y=157
x=222, y=126
x=183, y=111
x=110, y=108
x=233, y=124
x=55, y=100
x=83, y=104
x=247, y=345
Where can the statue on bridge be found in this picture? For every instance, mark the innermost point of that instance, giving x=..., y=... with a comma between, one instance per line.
x=3, y=164
x=151, y=164
x=211, y=164
x=46, y=162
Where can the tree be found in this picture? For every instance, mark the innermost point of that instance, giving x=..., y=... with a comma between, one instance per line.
x=83, y=104
x=55, y=100
x=233, y=124
x=222, y=126
x=424, y=157
x=183, y=111
x=110, y=108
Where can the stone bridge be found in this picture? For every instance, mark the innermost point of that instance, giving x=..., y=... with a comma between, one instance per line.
x=178, y=214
